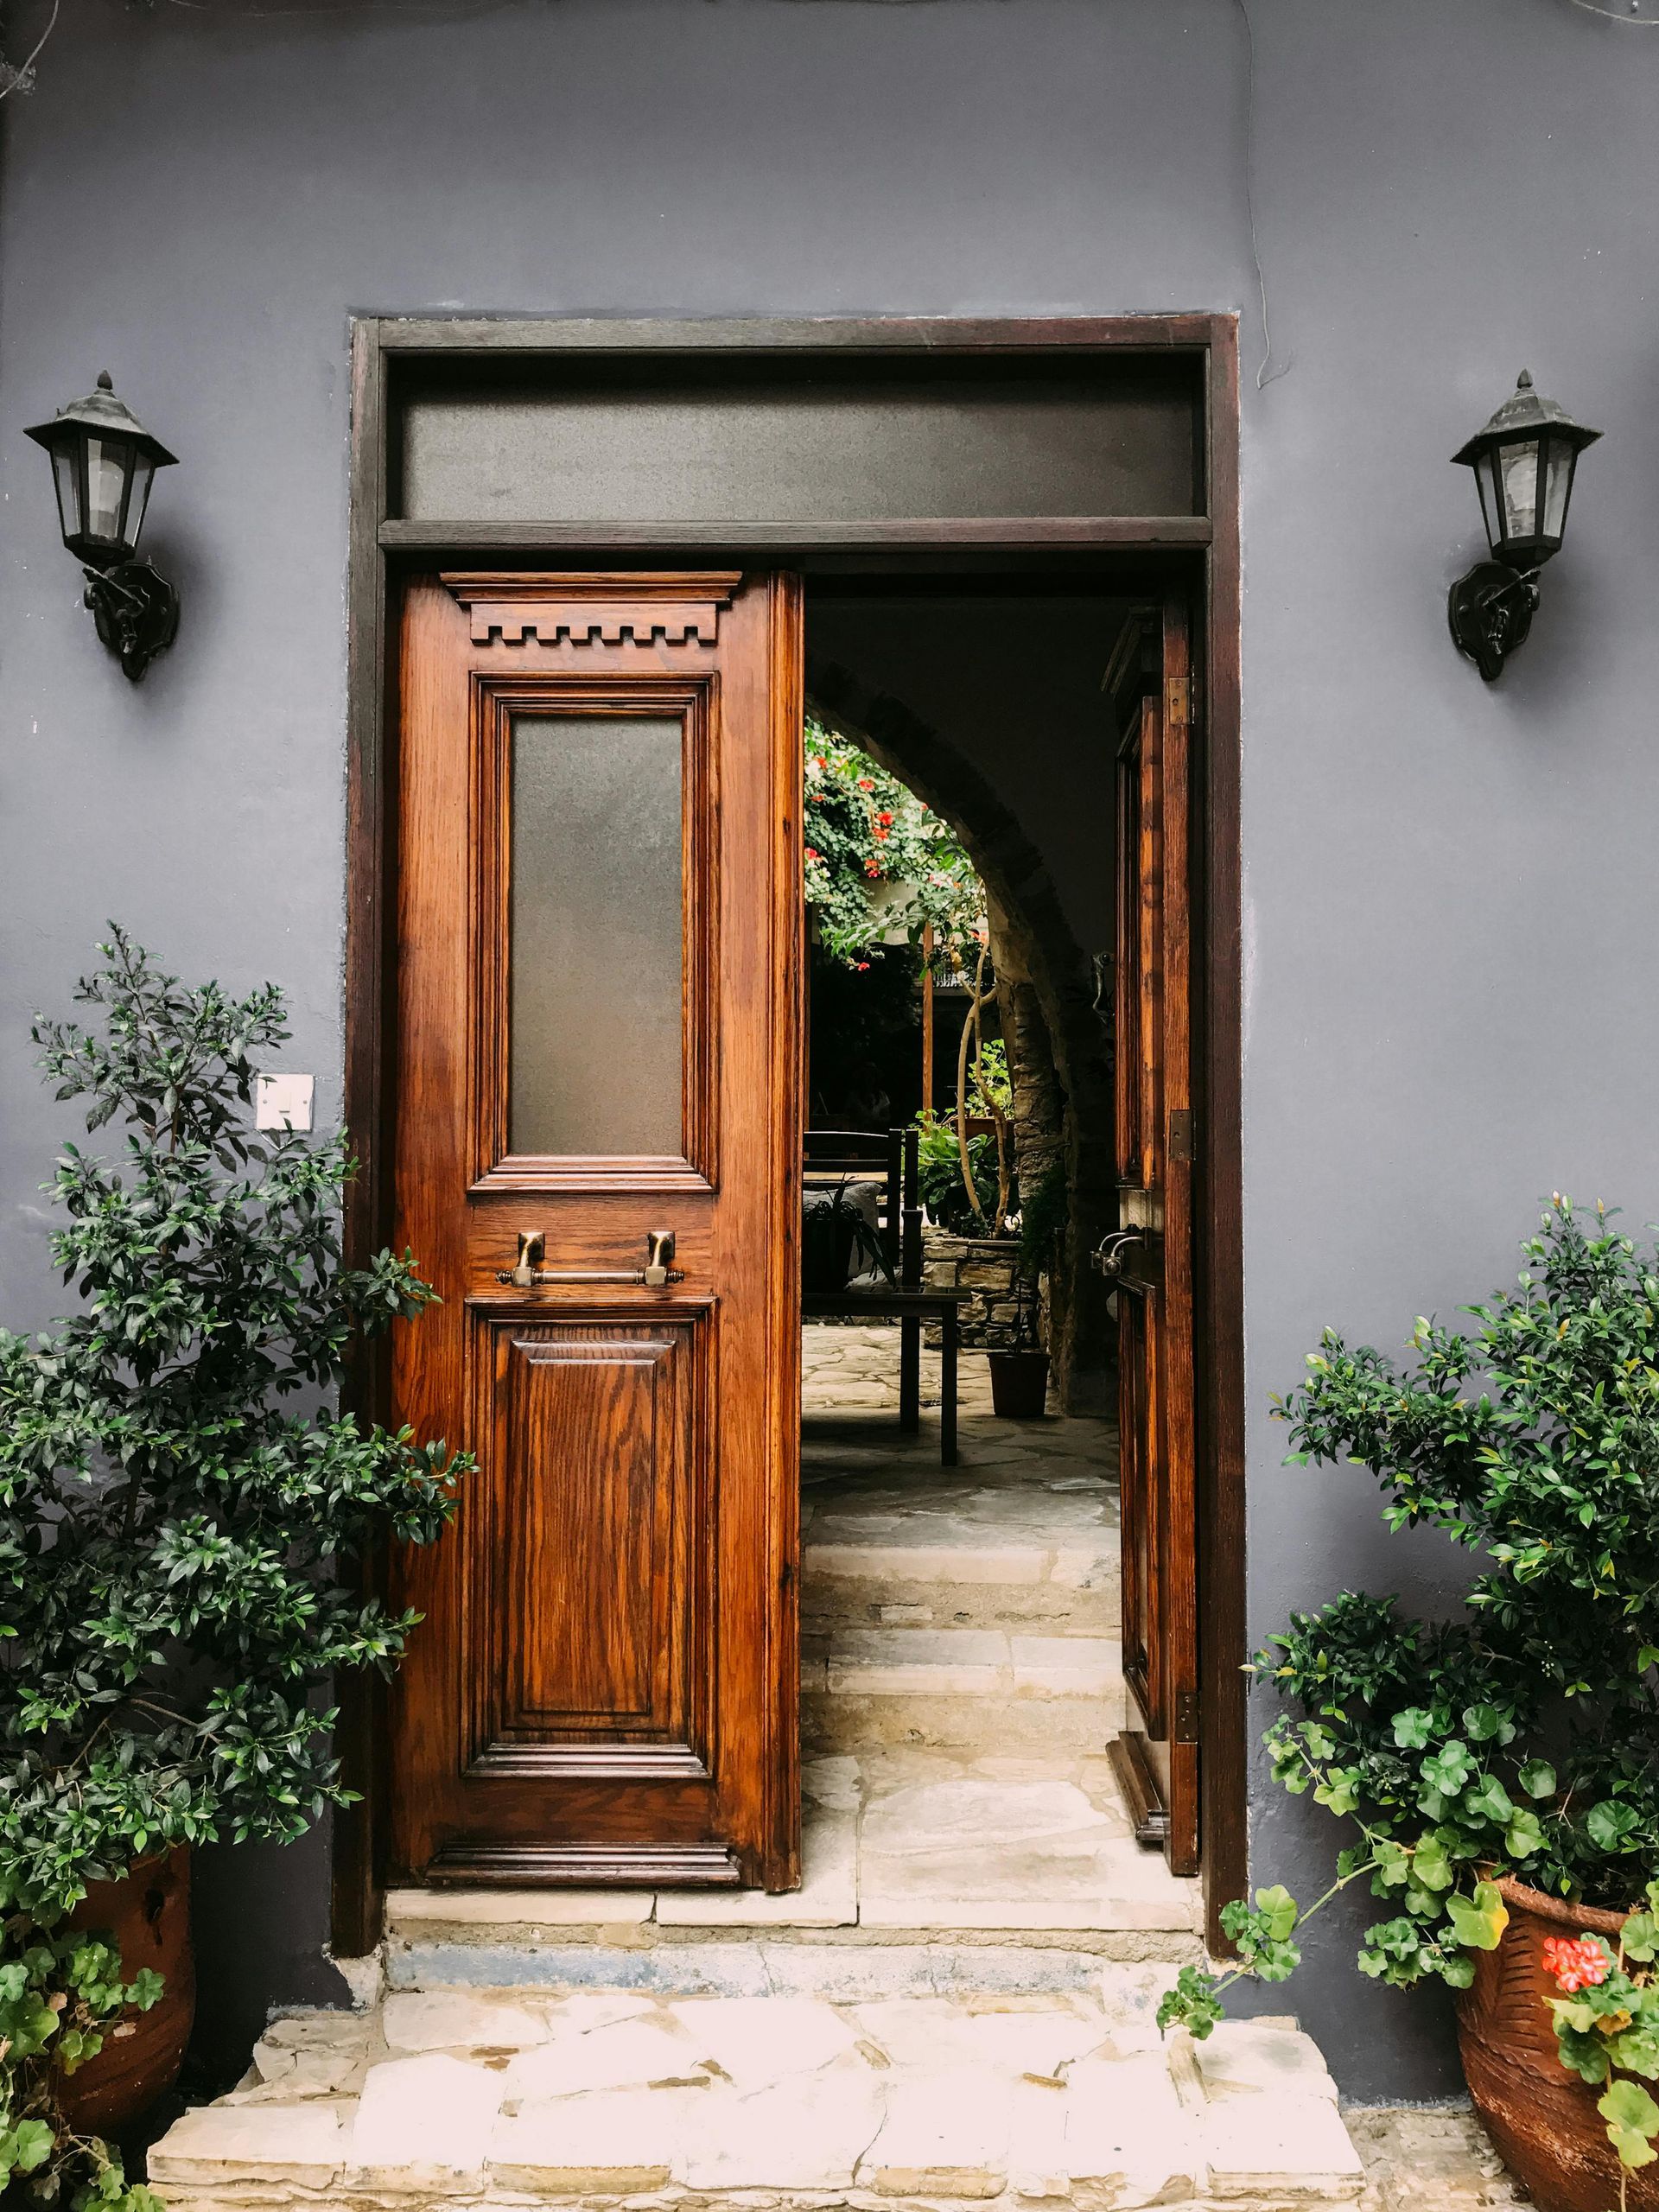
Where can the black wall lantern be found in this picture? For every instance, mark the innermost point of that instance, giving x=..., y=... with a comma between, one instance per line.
x=1523, y=462
x=104, y=461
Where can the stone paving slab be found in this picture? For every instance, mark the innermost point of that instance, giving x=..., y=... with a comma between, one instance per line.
x=905, y=2102
x=904, y=1838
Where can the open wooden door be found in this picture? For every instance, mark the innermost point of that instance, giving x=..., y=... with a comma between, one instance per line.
x=1151, y=1257
x=597, y=1164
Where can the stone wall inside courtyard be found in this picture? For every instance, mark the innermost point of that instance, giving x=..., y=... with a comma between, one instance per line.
x=986, y=1269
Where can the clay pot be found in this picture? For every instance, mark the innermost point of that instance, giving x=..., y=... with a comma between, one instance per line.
x=1019, y=1384
x=148, y=1914
x=1542, y=2118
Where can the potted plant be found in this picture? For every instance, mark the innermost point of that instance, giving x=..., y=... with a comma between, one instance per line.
x=179, y=1513
x=1020, y=1373
x=1499, y=1773
x=939, y=1164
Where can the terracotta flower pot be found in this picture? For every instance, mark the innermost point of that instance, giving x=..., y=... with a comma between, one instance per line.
x=148, y=1913
x=1020, y=1385
x=1542, y=2118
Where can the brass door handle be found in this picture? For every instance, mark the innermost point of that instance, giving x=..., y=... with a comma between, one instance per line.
x=529, y=1272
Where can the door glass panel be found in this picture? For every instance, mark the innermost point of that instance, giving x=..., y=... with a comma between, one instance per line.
x=595, y=916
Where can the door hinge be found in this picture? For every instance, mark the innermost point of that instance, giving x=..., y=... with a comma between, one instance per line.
x=1180, y=1132
x=1187, y=1716
x=1177, y=698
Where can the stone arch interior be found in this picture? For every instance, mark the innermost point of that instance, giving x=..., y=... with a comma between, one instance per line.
x=987, y=703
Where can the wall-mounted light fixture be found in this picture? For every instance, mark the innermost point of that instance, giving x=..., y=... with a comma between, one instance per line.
x=103, y=462
x=1523, y=462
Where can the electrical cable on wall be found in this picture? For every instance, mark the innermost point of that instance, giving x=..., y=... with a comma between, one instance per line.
x=1262, y=378
x=21, y=78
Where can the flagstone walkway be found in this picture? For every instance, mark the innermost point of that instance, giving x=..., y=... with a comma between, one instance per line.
x=605, y=2098
x=958, y=2003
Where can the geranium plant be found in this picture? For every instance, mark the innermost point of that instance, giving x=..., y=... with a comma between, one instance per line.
x=878, y=859
x=1521, y=1738
x=180, y=1506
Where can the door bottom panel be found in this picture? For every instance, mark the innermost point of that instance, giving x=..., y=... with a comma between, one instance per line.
x=586, y=1865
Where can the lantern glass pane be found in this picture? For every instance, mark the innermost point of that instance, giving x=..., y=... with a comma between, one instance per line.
x=1492, y=511
x=1518, y=469
x=144, y=475
x=1558, y=485
x=107, y=462
x=63, y=475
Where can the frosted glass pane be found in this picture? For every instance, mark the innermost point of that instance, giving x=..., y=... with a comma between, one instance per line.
x=596, y=956
x=106, y=482
x=1558, y=482
x=1519, y=465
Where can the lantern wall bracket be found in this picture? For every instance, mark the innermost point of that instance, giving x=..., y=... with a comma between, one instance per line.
x=137, y=611
x=1490, y=610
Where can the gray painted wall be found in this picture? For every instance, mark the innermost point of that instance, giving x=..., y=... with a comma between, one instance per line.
x=1450, y=899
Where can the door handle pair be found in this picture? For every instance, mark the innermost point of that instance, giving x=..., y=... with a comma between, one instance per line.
x=657, y=1272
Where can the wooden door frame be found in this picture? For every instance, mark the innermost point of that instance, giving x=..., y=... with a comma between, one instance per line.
x=380, y=548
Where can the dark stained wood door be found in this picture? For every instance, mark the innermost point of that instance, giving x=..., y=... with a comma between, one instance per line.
x=597, y=1042
x=1151, y=1257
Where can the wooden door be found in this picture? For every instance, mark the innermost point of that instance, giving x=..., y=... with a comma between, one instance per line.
x=1151, y=1256
x=598, y=1041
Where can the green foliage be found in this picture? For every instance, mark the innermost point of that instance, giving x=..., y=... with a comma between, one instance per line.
x=867, y=834
x=60, y=1991
x=176, y=1536
x=990, y=1087
x=1518, y=1738
x=939, y=1170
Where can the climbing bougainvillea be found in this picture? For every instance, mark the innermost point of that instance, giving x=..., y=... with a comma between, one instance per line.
x=878, y=859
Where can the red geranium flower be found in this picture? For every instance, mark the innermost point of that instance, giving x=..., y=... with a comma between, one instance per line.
x=861, y=965
x=866, y=784
x=1576, y=1961
x=884, y=817
x=871, y=868
x=812, y=855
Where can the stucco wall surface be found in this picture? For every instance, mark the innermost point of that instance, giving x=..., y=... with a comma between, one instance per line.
x=1450, y=896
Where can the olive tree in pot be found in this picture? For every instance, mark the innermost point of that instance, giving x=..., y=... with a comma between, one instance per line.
x=177, y=1541
x=1498, y=1773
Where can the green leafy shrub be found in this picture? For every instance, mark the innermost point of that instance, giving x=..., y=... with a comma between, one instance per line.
x=939, y=1174
x=867, y=834
x=1520, y=1738
x=177, y=1536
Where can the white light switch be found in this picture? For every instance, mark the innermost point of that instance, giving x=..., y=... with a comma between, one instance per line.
x=283, y=1101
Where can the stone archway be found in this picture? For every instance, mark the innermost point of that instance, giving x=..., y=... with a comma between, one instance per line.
x=1047, y=996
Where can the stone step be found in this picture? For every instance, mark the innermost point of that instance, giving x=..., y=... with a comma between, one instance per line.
x=498, y=2096
x=995, y=1549
x=523, y=1949
x=983, y=1690
x=917, y=1854
x=1050, y=1590
x=1037, y=1535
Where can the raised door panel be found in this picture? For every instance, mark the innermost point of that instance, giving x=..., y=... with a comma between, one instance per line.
x=589, y=1584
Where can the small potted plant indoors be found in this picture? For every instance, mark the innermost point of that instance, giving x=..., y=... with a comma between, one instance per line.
x=177, y=1536
x=1498, y=1773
